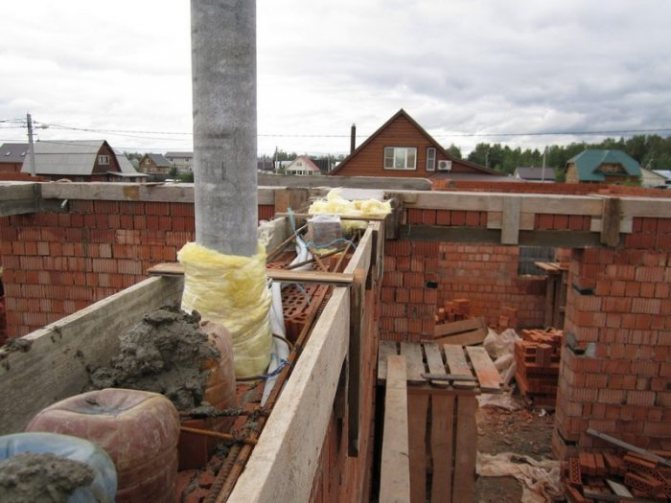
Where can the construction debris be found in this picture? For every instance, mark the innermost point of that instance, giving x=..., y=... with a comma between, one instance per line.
x=537, y=357
x=454, y=325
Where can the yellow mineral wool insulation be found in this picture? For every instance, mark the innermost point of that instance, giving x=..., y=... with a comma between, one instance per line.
x=335, y=204
x=231, y=290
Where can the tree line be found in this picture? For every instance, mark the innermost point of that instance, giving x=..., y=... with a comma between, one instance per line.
x=651, y=151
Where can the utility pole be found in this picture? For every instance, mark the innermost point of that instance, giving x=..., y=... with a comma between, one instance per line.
x=31, y=145
x=545, y=155
x=223, y=41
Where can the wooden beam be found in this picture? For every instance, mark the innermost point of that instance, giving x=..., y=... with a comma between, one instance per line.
x=395, y=466
x=117, y=191
x=19, y=198
x=567, y=239
x=298, y=424
x=610, y=222
x=54, y=367
x=357, y=268
x=510, y=226
x=283, y=275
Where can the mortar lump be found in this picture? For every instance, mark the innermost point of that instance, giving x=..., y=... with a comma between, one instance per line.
x=164, y=353
x=41, y=478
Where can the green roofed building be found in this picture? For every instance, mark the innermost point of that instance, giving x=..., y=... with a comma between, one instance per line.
x=602, y=166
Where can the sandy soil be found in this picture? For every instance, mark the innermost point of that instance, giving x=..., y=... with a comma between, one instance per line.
x=520, y=432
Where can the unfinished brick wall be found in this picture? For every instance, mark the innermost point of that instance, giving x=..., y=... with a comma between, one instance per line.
x=616, y=374
x=409, y=290
x=487, y=276
x=57, y=263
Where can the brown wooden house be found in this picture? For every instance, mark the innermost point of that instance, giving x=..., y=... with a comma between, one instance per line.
x=402, y=148
x=12, y=156
x=79, y=161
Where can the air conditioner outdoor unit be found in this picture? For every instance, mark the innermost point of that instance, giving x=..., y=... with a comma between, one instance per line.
x=444, y=165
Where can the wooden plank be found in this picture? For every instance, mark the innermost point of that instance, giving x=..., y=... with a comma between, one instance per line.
x=457, y=364
x=488, y=375
x=465, y=450
x=283, y=275
x=561, y=239
x=457, y=327
x=55, y=365
x=385, y=349
x=395, y=468
x=357, y=268
x=610, y=222
x=510, y=225
x=465, y=339
x=118, y=191
x=442, y=448
x=300, y=418
x=414, y=363
x=418, y=407
x=433, y=358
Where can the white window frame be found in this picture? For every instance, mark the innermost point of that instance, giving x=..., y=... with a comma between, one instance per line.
x=390, y=156
x=104, y=160
x=430, y=158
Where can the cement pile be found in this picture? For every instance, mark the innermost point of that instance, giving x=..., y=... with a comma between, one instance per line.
x=41, y=478
x=165, y=353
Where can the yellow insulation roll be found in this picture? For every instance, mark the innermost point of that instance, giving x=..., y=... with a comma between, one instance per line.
x=231, y=290
x=335, y=204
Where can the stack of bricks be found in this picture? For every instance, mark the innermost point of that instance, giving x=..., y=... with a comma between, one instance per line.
x=602, y=473
x=57, y=263
x=537, y=358
x=487, y=276
x=616, y=363
x=453, y=310
x=409, y=290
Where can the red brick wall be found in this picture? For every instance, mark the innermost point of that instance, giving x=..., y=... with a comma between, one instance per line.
x=619, y=312
x=487, y=276
x=57, y=263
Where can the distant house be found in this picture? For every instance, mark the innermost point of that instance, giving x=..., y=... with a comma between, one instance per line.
x=302, y=166
x=602, y=166
x=402, y=148
x=127, y=171
x=534, y=174
x=80, y=161
x=652, y=179
x=666, y=173
x=183, y=161
x=265, y=165
x=155, y=164
x=12, y=156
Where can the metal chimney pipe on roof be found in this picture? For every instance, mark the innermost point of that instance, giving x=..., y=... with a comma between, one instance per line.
x=223, y=52
x=352, y=140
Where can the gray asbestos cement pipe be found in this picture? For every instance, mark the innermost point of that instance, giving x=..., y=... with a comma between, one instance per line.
x=223, y=52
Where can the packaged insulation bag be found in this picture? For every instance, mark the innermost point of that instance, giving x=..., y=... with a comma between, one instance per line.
x=231, y=290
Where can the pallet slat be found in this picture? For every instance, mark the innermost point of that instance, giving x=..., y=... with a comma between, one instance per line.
x=488, y=375
x=414, y=362
x=457, y=364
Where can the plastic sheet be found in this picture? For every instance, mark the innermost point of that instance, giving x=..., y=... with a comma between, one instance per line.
x=540, y=479
x=231, y=290
x=104, y=485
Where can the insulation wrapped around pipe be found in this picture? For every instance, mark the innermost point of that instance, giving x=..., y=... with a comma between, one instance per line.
x=231, y=290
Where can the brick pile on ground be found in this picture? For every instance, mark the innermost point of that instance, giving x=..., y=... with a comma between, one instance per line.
x=537, y=357
x=453, y=310
x=627, y=475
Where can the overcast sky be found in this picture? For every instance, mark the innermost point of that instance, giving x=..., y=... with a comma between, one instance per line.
x=459, y=67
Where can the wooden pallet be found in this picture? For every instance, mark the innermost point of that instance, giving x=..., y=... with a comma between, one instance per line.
x=443, y=381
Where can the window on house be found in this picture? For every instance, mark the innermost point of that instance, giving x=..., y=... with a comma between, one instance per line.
x=103, y=160
x=430, y=159
x=530, y=254
x=400, y=158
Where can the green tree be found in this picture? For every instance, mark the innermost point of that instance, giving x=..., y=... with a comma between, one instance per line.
x=454, y=151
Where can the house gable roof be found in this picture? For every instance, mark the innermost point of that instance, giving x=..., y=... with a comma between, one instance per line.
x=179, y=155
x=13, y=152
x=589, y=161
x=535, y=173
x=65, y=157
x=423, y=132
x=308, y=164
x=159, y=160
